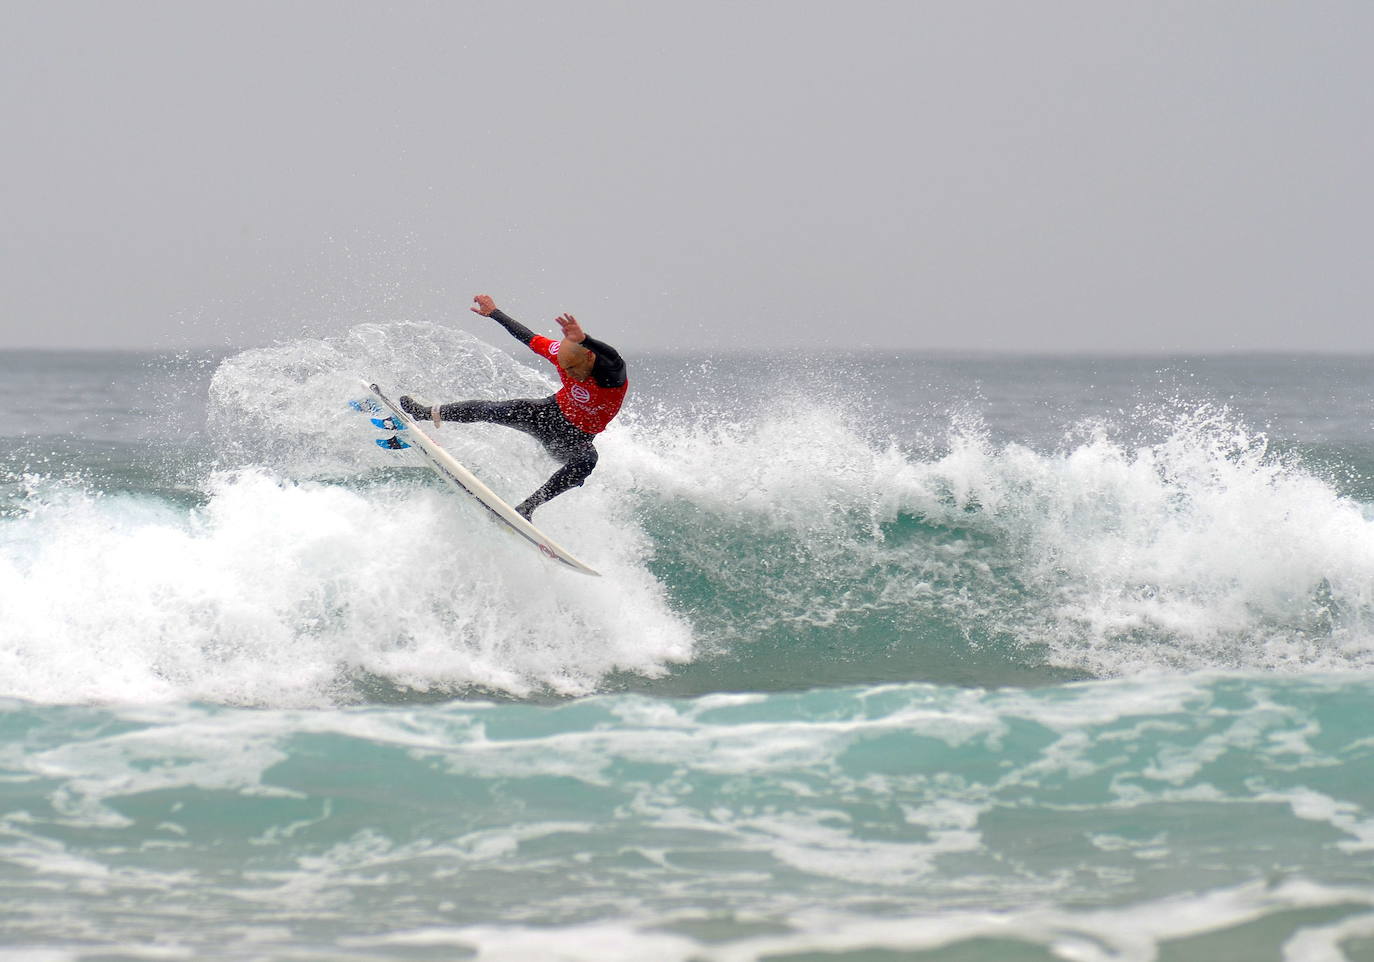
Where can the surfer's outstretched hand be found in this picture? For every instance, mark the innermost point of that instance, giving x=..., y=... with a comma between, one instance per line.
x=485, y=305
x=572, y=331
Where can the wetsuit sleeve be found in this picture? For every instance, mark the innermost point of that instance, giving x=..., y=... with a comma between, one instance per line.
x=517, y=330
x=609, y=369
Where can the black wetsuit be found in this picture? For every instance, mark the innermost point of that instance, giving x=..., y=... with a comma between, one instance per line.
x=542, y=419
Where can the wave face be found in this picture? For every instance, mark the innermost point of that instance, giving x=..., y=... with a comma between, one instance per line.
x=1203, y=550
x=753, y=537
x=938, y=659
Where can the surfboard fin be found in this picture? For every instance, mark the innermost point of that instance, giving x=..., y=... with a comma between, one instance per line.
x=389, y=424
x=392, y=443
x=366, y=405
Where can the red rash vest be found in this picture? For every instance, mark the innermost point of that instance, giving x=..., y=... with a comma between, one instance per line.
x=585, y=404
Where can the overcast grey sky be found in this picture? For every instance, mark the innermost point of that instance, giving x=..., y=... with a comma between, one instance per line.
x=1095, y=175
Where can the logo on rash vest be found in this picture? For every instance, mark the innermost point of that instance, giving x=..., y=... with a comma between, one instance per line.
x=581, y=394
x=553, y=348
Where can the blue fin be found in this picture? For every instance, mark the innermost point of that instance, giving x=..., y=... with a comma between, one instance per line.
x=392, y=443
x=366, y=405
x=389, y=424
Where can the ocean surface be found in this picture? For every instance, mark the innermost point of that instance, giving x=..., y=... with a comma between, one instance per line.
x=895, y=657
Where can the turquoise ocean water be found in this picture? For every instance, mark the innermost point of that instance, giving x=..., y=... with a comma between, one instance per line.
x=896, y=657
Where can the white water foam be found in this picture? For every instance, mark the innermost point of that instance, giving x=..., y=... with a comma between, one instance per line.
x=283, y=592
x=1201, y=550
x=1131, y=934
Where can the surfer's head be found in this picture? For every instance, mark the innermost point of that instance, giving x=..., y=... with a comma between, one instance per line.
x=575, y=359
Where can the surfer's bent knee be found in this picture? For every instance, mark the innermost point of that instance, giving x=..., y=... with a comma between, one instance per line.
x=580, y=465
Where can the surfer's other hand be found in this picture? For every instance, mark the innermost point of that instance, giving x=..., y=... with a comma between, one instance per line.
x=572, y=331
x=485, y=305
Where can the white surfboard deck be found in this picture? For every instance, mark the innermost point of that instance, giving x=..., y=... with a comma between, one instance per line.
x=463, y=480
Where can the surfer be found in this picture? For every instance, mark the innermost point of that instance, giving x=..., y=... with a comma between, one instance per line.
x=594, y=386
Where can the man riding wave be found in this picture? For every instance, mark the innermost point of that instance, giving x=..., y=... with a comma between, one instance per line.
x=594, y=387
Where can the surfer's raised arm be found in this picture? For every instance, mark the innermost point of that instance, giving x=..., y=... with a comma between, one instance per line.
x=608, y=369
x=486, y=306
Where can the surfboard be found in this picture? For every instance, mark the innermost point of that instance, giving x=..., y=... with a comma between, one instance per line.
x=409, y=435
